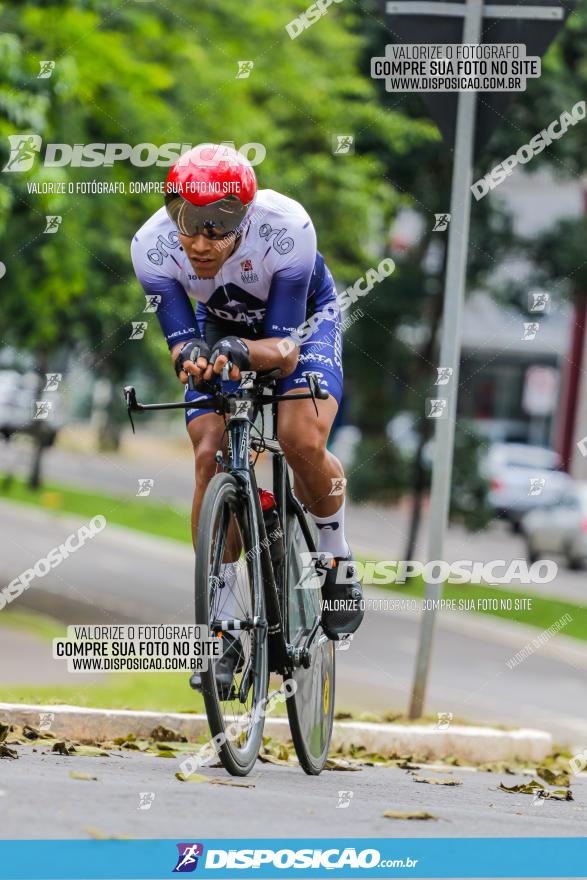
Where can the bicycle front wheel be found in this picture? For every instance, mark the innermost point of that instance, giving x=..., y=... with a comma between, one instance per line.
x=227, y=530
x=310, y=707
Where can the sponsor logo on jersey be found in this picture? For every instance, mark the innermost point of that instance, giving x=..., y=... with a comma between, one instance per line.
x=283, y=245
x=247, y=316
x=320, y=377
x=160, y=252
x=316, y=357
x=248, y=275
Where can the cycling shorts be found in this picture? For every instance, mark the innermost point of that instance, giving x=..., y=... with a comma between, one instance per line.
x=321, y=353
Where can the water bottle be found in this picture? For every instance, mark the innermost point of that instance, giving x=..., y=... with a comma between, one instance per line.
x=272, y=526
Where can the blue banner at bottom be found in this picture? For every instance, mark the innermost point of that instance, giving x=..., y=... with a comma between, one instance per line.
x=271, y=858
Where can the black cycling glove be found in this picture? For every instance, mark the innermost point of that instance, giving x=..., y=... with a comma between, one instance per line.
x=234, y=349
x=191, y=351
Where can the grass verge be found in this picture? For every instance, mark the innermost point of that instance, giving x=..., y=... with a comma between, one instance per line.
x=542, y=612
x=164, y=520
x=154, y=691
x=143, y=514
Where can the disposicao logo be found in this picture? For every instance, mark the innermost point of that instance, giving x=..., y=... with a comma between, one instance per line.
x=187, y=859
x=23, y=151
x=24, y=148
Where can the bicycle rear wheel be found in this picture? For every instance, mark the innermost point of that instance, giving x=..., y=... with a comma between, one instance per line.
x=311, y=707
x=236, y=718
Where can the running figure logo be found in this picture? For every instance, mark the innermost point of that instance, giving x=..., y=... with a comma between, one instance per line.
x=538, y=302
x=187, y=859
x=53, y=222
x=52, y=381
x=244, y=69
x=343, y=144
x=530, y=330
x=152, y=302
x=47, y=68
x=441, y=222
x=444, y=375
x=436, y=408
x=42, y=410
x=23, y=149
x=138, y=329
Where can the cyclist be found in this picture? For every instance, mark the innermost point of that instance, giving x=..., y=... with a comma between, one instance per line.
x=249, y=259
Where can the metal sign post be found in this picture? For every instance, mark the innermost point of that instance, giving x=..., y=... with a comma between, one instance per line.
x=535, y=23
x=450, y=349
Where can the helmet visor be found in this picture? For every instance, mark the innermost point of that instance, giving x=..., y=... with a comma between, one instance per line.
x=220, y=217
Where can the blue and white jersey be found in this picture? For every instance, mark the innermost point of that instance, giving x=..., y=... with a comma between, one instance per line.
x=268, y=287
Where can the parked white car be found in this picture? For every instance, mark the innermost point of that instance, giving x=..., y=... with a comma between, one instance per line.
x=18, y=395
x=522, y=478
x=559, y=528
x=16, y=402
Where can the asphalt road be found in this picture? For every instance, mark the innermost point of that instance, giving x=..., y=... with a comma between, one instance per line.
x=375, y=532
x=44, y=802
x=121, y=577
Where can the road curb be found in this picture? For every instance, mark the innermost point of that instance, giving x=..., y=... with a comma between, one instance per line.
x=475, y=745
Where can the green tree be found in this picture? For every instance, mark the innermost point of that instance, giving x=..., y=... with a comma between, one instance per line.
x=149, y=74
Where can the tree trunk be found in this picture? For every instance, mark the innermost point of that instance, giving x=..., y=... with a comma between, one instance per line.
x=39, y=446
x=36, y=463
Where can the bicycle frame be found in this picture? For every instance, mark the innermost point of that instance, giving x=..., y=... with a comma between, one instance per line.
x=242, y=407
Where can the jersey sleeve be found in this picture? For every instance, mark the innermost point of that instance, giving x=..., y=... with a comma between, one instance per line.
x=174, y=309
x=292, y=272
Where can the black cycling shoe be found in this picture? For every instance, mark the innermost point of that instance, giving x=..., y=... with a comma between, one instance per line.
x=225, y=668
x=343, y=607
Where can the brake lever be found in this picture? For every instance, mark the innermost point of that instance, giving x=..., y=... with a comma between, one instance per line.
x=204, y=386
x=130, y=395
x=312, y=385
x=321, y=393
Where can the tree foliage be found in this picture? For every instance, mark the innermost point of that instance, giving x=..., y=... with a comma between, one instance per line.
x=141, y=73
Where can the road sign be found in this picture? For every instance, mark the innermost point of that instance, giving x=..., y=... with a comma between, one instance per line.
x=535, y=24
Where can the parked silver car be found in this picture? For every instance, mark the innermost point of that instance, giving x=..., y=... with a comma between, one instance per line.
x=560, y=528
x=522, y=478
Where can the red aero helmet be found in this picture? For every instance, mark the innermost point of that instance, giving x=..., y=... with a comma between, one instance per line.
x=211, y=188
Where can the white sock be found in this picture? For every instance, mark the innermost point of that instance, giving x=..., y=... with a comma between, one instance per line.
x=332, y=538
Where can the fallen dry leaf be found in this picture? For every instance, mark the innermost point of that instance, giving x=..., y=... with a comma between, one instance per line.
x=440, y=780
x=396, y=814
x=249, y=784
x=63, y=749
x=30, y=732
x=90, y=752
x=340, y=764
x=536, y=788
x=271, y=759
x=99, y=835
x=191, y=777
x=165, y=734
x=553, y=777
x=85, y=777
x=5, y=752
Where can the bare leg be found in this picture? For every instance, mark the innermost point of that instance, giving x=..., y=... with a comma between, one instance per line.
x=317, y=471
x=206, y=436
